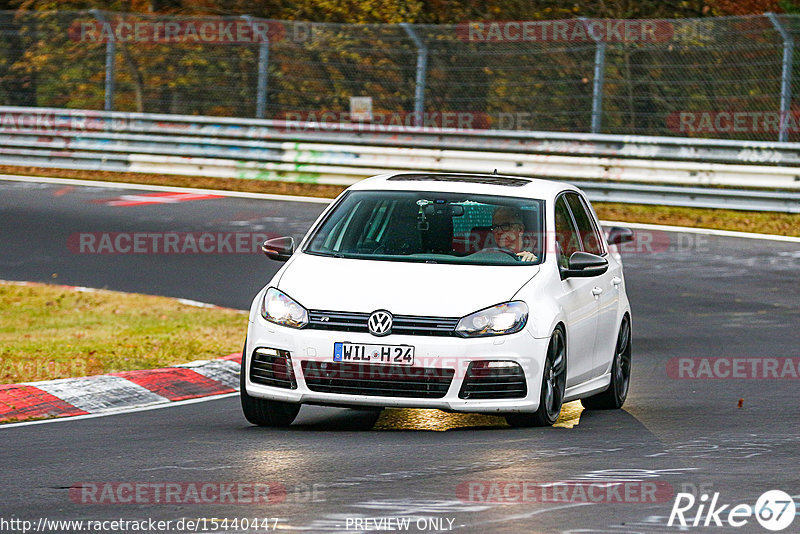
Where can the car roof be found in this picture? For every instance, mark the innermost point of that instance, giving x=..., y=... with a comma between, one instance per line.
x=487, y=184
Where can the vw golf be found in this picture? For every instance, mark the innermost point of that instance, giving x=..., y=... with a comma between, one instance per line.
x=462, y=292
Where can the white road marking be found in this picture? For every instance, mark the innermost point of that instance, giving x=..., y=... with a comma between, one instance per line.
x=704, y=231
x=514, y=517
x=147, y=187
x=318, y=200
x=172, y=404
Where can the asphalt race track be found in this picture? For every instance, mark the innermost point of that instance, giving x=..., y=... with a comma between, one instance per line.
x=696, y=296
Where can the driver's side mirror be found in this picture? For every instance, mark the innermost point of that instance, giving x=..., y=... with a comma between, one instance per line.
x=278, y=248
x=618, y=235
x=584, y=265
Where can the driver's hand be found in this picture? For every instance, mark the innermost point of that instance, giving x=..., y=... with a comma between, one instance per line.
x=526, y=256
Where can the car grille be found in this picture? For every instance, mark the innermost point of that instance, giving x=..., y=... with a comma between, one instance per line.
x=272, y=367
x=410, y=325
x=377, y=380
x=484, y=382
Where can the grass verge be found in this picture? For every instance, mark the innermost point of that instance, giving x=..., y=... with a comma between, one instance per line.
x=741, y=221
x=49, y=332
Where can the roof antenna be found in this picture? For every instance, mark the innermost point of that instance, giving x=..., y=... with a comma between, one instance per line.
x=495, y=172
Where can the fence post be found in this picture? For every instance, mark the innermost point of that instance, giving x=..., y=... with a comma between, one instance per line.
x=110, y=62
x=422, y=69
x=263, y=64
x=786, y=74
x=599, y=78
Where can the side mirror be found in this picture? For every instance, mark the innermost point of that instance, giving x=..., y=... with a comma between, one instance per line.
x=618, y=235
x=584, y=265
x=278, y=248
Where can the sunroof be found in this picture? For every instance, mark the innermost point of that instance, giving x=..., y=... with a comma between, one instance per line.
x=464, y=178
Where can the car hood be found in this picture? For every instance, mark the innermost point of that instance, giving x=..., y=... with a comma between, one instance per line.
x=437, y=290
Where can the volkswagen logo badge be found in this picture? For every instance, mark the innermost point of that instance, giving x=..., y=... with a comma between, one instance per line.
x=380, y=323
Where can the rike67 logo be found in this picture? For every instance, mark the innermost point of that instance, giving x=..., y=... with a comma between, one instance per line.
x=774, y=510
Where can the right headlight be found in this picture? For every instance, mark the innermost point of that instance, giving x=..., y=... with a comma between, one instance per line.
x=505, y=318
x=279, y=308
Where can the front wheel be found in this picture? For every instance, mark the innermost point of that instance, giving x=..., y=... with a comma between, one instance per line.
x=614, y=397
x=264, y=412
x=554, y=383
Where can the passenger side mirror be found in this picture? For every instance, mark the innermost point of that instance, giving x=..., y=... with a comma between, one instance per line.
x=618, y=235
x=278, y=248
x=584, y=265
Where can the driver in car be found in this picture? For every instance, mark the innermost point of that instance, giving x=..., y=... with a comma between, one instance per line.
x=508, y=228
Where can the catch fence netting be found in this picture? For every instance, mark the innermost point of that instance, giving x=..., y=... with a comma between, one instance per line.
x=728, y=77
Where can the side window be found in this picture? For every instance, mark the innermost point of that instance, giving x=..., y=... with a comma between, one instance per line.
x=566, y=235
x=590, y=237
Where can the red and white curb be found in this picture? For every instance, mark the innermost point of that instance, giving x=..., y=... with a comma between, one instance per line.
x=115, y=392
x=118, y=391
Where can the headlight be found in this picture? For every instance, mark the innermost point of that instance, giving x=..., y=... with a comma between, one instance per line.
x=505, y=318
x=279, y=308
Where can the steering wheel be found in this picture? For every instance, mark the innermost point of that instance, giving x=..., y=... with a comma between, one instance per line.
x=498, y=249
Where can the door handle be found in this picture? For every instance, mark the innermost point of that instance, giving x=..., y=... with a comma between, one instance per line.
x=597, y=290
x=616, y=281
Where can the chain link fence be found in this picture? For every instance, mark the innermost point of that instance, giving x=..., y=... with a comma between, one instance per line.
x=727, y=77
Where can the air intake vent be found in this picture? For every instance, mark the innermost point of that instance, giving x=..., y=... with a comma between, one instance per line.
x=272, y=367
x=493, y=380
x=377, y=380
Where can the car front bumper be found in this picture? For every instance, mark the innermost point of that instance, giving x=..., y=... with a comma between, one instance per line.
x=435, y=352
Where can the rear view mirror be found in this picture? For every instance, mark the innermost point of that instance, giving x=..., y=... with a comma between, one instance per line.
x=618, y=235
x=454, y=210
x=278, y=248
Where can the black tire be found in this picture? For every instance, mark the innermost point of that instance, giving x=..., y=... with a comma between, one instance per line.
x=554, y=383
x=263, y=412
x=614, y=397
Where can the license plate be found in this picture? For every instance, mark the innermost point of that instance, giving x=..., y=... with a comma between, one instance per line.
x=365, y=353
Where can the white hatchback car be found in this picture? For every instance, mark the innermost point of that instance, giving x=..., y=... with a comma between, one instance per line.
x=462, y=292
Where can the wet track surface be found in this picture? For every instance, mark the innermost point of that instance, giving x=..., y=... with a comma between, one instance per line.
x=697, y=296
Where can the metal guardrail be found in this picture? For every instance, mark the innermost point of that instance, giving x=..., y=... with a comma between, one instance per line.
x=698, y=197
x=334, y=153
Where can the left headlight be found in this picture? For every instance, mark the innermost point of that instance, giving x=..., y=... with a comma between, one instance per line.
x=277, y=307
x=505, y=318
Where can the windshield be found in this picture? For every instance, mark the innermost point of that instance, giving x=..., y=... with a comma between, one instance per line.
x=433, y=227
